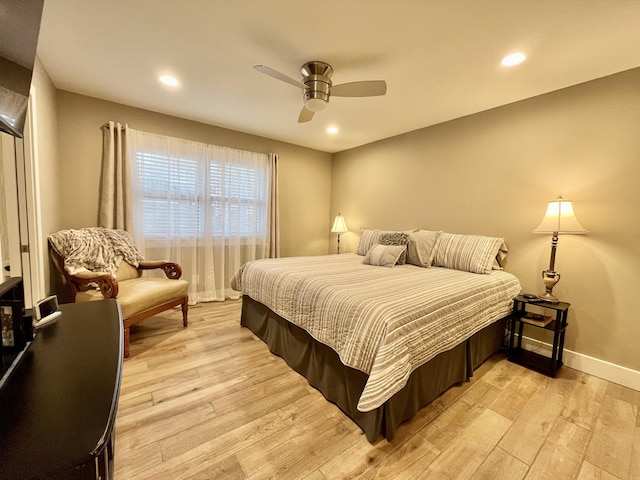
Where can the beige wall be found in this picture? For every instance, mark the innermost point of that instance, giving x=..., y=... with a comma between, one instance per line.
x=304, y=174
x=493, y=173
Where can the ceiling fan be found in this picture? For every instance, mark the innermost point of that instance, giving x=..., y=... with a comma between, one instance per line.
x=317, y=87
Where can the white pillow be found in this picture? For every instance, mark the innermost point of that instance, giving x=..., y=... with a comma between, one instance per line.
x=420, y=250
x=383, y=255
x=470, y=253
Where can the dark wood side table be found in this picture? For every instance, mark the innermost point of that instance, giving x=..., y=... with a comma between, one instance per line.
x=58, y=407
x=522, y=308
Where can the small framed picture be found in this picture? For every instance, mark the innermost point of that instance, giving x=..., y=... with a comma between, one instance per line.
x=16, y=332
x=6, y=320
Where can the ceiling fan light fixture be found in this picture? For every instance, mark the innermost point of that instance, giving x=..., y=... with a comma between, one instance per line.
x=316, y=86
x=315, y=104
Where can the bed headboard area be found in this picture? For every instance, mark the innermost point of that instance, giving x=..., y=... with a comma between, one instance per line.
x=427, y=248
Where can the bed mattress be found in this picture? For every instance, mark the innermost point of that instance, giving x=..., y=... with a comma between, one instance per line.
x=384, y=322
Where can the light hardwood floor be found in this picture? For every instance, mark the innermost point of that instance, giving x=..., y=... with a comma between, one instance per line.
x=211, y=402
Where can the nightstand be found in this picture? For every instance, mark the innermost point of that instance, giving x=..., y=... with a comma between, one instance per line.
x=526, y=312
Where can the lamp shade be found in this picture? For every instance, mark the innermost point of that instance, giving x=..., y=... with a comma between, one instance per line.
x=339, y=225
x=560, y=219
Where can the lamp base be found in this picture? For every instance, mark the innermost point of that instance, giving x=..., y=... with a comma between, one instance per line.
x=547, y=297
x=550, y=278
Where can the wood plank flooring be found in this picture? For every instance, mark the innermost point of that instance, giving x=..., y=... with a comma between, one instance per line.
x=211, y=402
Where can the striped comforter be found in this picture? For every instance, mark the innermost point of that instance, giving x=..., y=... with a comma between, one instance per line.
x=385, y=322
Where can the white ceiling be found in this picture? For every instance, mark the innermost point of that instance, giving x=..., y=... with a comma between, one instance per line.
x=441, y=59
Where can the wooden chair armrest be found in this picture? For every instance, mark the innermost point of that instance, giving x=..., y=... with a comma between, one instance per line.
x=107, y=284
x=171, y=270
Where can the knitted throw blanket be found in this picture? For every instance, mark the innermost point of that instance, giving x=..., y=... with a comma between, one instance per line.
x=95, y=249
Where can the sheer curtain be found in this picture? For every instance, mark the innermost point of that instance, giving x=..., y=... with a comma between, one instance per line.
x=209, y=208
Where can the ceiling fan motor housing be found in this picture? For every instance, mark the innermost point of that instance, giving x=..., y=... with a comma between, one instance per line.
x=316, y=76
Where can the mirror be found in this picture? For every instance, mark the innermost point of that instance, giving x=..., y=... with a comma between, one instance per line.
x=19, y=28
x=10, y=255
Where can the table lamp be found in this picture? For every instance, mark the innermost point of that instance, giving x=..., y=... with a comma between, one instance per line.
x=339, y=226
x=559, y=219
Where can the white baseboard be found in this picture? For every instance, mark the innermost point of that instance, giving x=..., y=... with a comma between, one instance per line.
x=593, y=366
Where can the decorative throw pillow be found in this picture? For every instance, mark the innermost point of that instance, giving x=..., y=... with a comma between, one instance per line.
x=368, y=238
x=383, y=255
x=396, y=238
x=420, y=248
x=470, y=253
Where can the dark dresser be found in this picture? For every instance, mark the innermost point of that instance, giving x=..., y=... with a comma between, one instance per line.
x=58, y=407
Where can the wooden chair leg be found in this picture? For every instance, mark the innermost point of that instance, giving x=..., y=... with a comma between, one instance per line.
x=185, y=308
x=126, y=342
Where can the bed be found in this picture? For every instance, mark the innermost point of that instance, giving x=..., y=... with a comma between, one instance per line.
x=378, y=342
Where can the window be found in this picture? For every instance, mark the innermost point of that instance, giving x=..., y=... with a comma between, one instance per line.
x=188, y=197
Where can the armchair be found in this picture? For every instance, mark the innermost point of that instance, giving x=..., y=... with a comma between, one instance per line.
x=139, y=296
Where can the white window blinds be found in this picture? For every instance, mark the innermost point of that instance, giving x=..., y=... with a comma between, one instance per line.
x=194, y=197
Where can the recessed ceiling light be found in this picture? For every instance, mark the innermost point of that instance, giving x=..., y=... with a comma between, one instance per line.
x=332, y=130
x=513, y=59
x=169, y=80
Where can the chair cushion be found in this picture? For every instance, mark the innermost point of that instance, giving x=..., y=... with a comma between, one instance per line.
x=140, y=294
x=126, y=271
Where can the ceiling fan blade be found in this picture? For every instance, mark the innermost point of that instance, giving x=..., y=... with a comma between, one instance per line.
x=305, y=115
x=279, y=76
x=367, y=88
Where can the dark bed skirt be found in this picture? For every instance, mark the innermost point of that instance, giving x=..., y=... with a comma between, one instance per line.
x=343, y=385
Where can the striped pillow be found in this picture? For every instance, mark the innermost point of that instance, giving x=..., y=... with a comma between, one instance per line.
x=368, y=238
x=469, y=253
x=383, y=255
